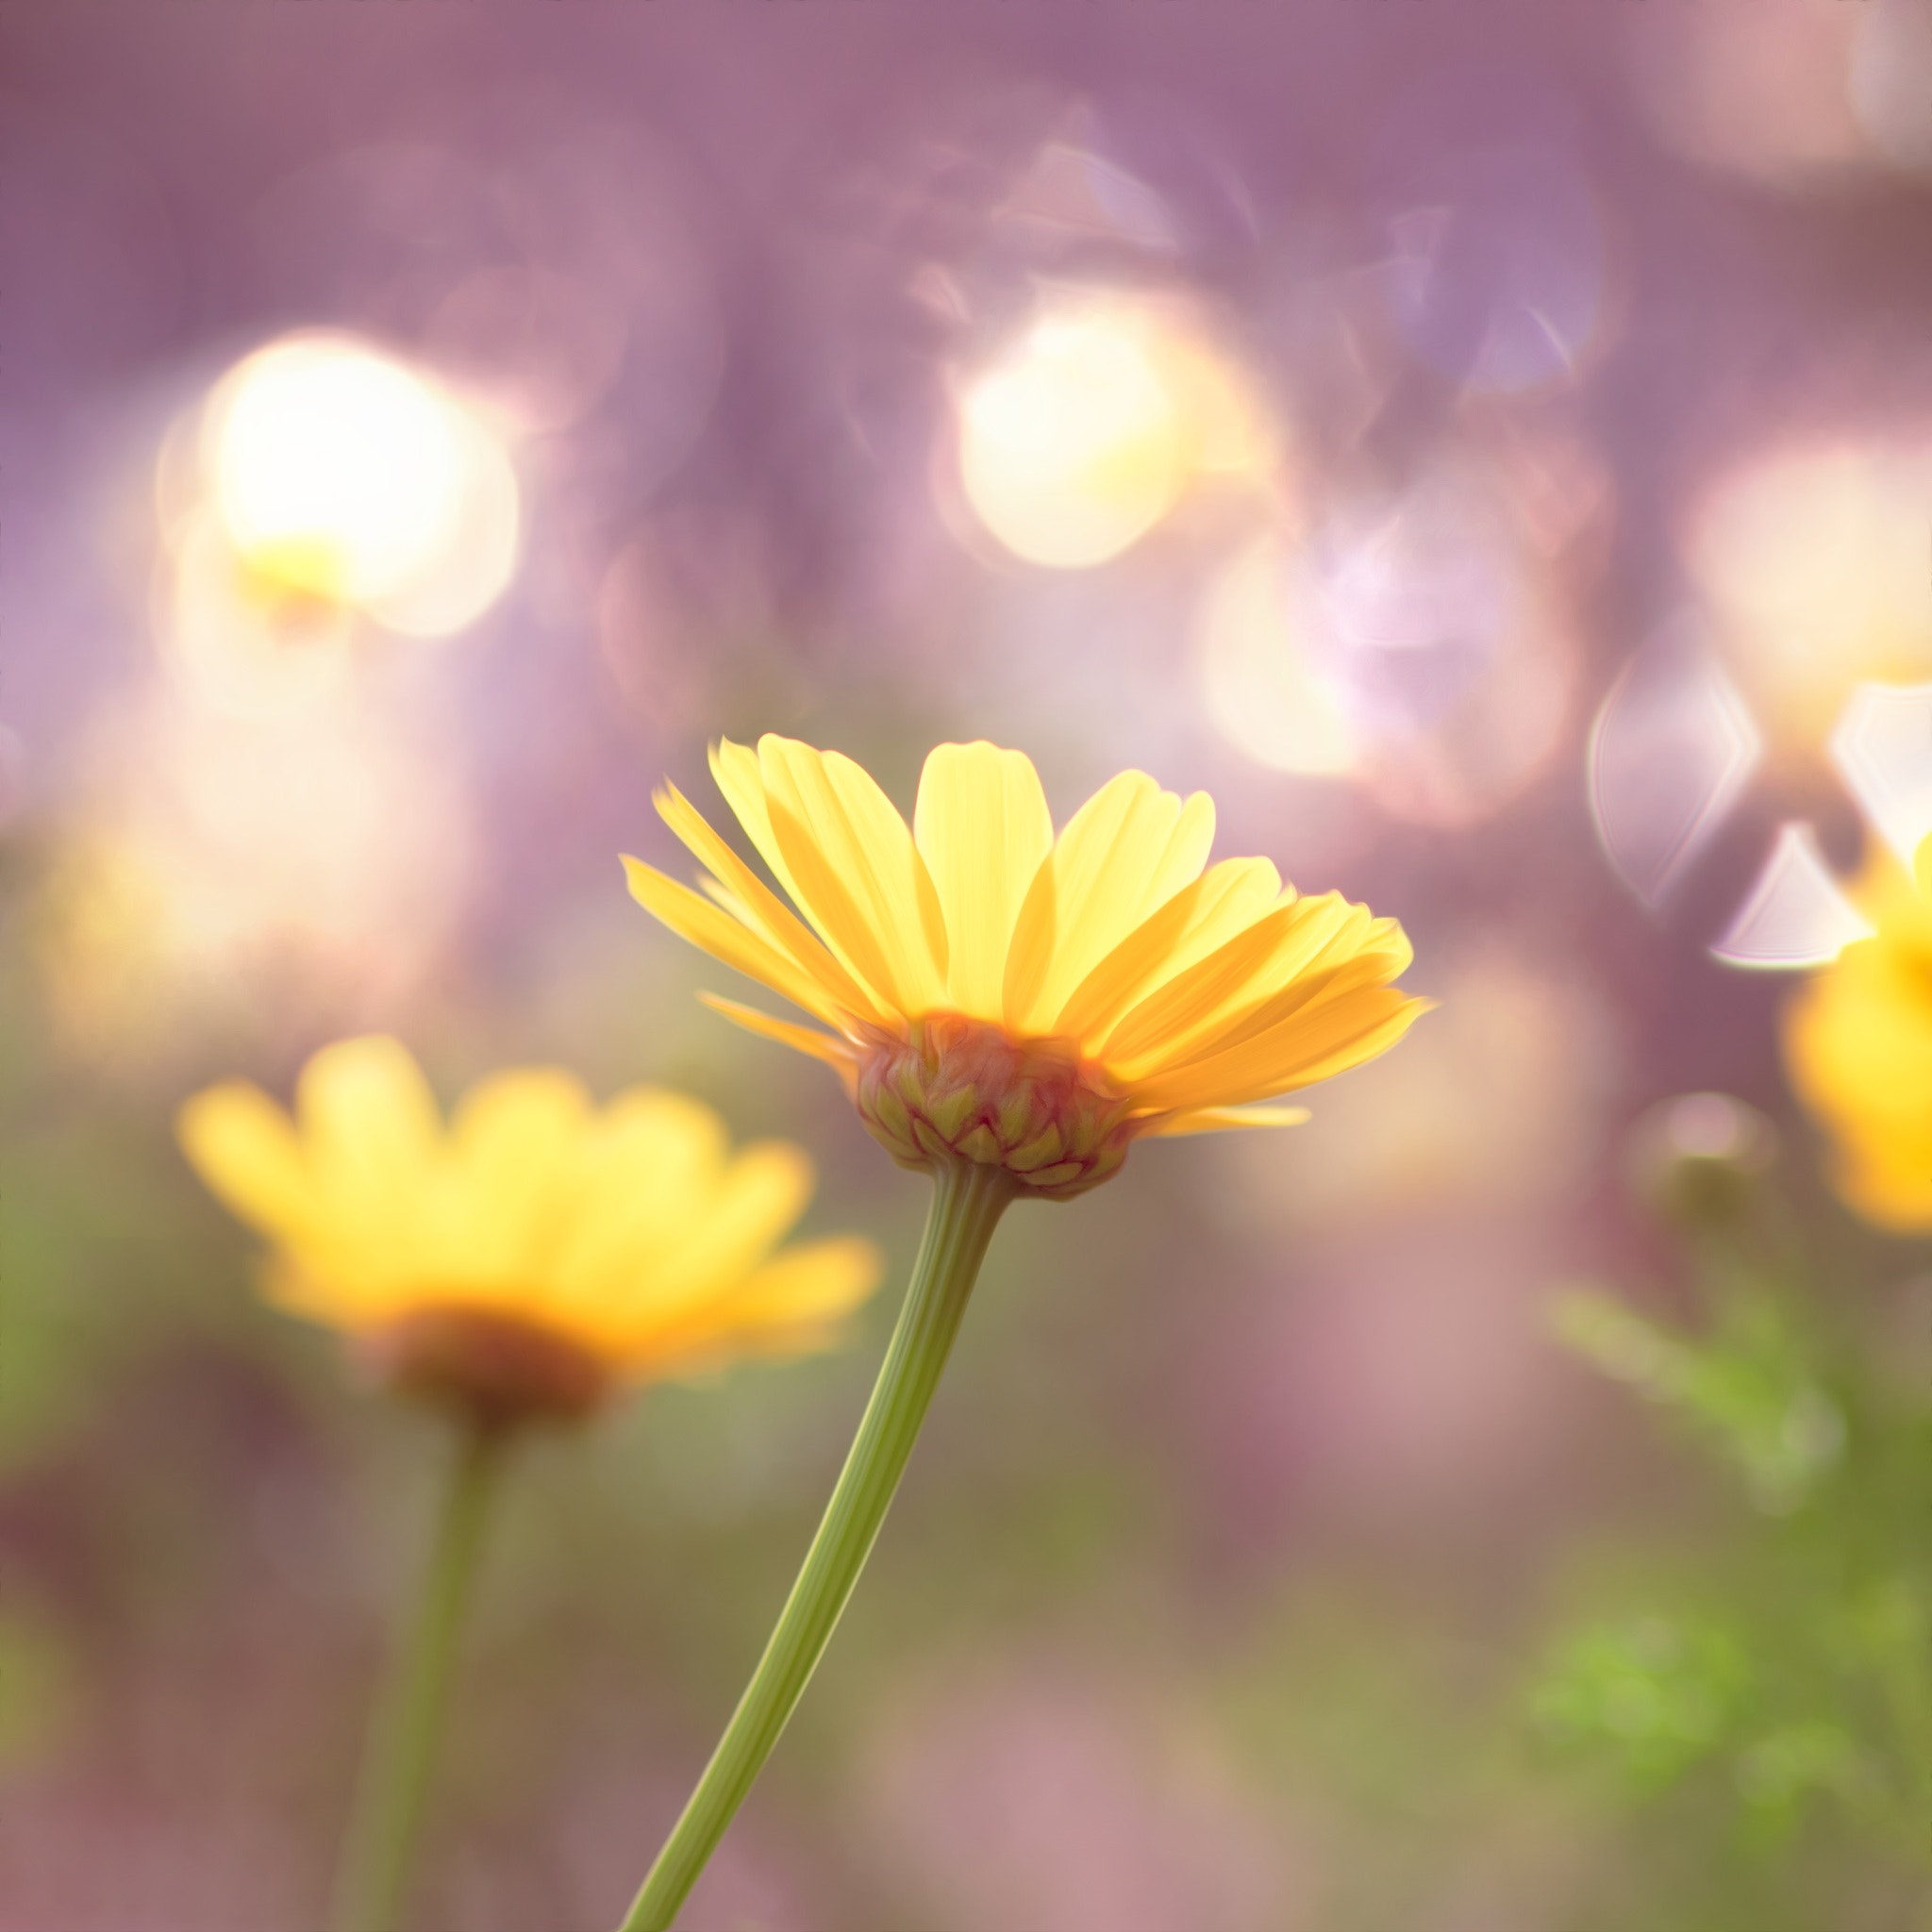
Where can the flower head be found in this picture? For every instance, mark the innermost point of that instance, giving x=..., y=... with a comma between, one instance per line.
x=1858, y=1041
x=537, y=1251
x=1003, y=995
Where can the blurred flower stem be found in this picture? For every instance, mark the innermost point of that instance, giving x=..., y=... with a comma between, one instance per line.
x=401, y=1750
x=967, y=1199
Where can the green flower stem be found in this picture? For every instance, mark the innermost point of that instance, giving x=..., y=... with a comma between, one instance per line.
x=968, y=1201
x=401, y=1749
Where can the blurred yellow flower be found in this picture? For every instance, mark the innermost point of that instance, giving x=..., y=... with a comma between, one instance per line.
x=1012, y=999
x=536, y=1252
x=1858, y=1041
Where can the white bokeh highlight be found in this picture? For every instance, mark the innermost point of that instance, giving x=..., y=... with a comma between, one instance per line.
x=1796, y=915
x=1670, y=754
x=1882, y=749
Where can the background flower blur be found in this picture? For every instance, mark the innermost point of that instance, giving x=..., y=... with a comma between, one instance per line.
x=1488, y=446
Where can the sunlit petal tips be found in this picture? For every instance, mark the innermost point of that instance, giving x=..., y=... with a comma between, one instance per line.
x=538, y=1251
x=991, y=990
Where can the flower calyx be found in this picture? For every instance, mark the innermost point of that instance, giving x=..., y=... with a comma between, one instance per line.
x=956, y=1089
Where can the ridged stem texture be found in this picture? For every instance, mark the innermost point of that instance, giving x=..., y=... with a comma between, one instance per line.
x=386, y=1807
x=968, y=1199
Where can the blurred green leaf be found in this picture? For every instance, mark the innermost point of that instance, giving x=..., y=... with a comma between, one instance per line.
x=1653, y=1695
x=1749, y=1390
x=1779, y=1771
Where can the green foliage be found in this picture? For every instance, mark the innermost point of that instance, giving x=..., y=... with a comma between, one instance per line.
x=1655, y=1695
x=1749, y=1390
x=1788, y=1766
x=1772, y=1667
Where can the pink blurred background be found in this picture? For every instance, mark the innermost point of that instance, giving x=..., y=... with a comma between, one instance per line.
x=1485, y=444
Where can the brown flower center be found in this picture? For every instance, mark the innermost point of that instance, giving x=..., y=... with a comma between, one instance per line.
x=959, y=1088
x=497, y=1369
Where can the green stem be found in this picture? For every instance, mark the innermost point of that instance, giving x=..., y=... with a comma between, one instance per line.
x=400, y=1748
x=967, y=1199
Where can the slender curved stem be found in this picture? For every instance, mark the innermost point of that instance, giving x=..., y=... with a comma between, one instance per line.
x=967, y=1199
x=400, y=1748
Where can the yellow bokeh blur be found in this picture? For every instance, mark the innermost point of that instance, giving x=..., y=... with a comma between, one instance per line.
x=329, y=484
x=1259, y=687
x=335, y=468
x=1813, y=562
x=1086, y=432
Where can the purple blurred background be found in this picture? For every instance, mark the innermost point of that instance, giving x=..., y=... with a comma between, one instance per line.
x=1485, y=444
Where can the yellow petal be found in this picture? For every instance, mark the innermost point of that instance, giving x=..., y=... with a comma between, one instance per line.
x=983, y=828
x=345, y=1193
x=1125, y=851
x=510, y=1118
x=244, y=1148
x=1888, y=1191
x=517, y=1147
x=1318, y=986
x=764, y=1192
x=807, y=1285
x=759, y=905
x=1858, y=1041
x=725, y=1230
x=1214, y=1120
x=1303, y=1049
x=1233, y=979
x=857, y=873
x=794, y=1302
x=678, y=1134
x=655, y=1164
x=736, y=769
x=1186, y=853
x=1200, y=918
x=694, y=917
x=1313, y=965
x=374, y=1136
x=343, y=1292
x=1858, y=1045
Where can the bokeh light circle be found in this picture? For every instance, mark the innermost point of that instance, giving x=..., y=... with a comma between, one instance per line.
x=1071, y=446
x=339, y=473
x=1811, y=558
x=1412, y=642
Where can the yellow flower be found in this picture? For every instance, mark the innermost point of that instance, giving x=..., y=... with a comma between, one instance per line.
x=537, y=1251
x=1858, y=1041
x=1005, y=996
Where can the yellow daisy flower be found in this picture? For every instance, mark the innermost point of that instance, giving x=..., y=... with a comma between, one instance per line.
x=1857, y=1043
x=1011, y=1011
x=536, y=1252
x=1017, y=999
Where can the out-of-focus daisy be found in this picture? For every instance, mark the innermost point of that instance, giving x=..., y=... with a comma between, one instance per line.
x=536, y=1253
x=521, y=1262
x=1858, y=1041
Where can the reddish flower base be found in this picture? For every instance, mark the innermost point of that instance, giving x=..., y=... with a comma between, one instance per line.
x=959, y=1088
